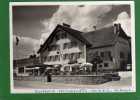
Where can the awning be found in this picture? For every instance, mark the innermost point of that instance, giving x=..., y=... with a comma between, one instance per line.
x=48, y=68
x=75, y=65
x=29, y=68
x=36, y=67
x=57, y=66
x=86, y=65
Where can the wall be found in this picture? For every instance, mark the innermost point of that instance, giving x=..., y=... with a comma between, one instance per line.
x=60, y=43
x=68, y=79
x=121, y=46
x=79, y=79
x=91, y=52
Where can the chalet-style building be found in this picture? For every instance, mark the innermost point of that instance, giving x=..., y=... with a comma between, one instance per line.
x=66, y=46
x=112, y=45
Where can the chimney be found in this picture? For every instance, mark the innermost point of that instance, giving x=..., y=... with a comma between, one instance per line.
x=66, y=25
x=94, y=28
x=117, y=28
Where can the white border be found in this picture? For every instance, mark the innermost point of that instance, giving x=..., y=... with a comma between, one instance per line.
x=131, y=89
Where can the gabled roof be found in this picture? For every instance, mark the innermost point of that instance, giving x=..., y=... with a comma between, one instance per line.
x=95, y=39
x=69, y=30
x=76, y=34
x=104, y=37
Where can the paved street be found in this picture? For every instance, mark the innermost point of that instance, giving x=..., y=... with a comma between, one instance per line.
x=29, y=86
x=124, y=82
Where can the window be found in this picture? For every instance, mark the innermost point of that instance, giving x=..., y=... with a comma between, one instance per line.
x=56, y=58
x=67, y=68
x=79, y=55
x=95, y=53
x=65, y=56
x=63, y=35
x=73, y=44
x=51, y=58
x=48, y=58
x=21, y=69
x=57, y=47
x=106, y=55
x=65, y=45
x=70, y=56
x=50, y=48
x=102, y=54
x=45, y=58
x=100, y=66
x=105, y=64
x=109, y=53
x=75, y=56
x=53, y=47
x=59, y=35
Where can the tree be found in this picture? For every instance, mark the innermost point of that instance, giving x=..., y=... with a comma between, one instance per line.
x=95, y=61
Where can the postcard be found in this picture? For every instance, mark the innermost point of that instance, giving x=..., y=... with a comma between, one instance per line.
x=72, y=47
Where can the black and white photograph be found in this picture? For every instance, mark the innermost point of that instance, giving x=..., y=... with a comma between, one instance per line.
x=72, y=47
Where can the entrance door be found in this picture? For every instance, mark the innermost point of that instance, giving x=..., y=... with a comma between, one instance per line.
x=123, y=65
x=49, y=79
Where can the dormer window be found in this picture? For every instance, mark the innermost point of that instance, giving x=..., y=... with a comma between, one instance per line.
x=73, y=44
x=53, y=47
x=61, y=35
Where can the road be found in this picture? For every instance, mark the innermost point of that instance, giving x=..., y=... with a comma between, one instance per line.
x=124, y=82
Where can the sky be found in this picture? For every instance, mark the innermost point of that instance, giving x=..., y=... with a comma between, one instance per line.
x=33, y=24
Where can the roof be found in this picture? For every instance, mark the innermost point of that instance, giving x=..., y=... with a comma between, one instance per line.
x=26, y=61
x=95, y=39
x=69, y=30
x=104, y=36
x=75, y=33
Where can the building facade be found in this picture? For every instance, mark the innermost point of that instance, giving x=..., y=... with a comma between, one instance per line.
x=112, y=45
x=69, y=49
x=26, y=66
x=66, y=46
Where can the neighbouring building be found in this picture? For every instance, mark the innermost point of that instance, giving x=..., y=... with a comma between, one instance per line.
x=66, y=46
x=26, y=66
x=113, y=46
